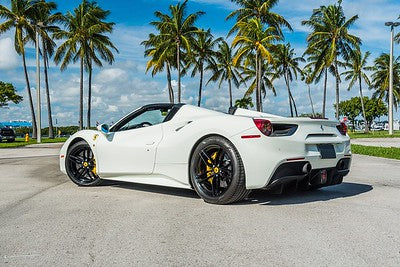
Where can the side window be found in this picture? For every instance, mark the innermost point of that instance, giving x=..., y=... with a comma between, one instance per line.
x=145, y=119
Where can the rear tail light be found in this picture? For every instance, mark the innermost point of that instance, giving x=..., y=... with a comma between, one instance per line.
x=265, y=126
x=342, y=127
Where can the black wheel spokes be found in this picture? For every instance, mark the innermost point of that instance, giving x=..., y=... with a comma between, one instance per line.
x=205, y=158
x=215, y=170
x=82, y=162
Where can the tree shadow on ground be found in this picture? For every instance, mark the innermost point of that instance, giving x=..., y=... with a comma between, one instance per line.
x=260, y=197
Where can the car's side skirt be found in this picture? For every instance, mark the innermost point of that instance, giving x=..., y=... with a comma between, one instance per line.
x=154, y=179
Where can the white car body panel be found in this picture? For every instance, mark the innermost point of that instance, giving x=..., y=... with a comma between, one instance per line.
x=160, y=154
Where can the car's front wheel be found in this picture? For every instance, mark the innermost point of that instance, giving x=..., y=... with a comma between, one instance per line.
x=217, y=172
x=80, y=165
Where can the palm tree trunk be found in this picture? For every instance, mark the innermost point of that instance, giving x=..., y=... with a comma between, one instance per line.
x=46, y=79
x=201, y=84
x=258, y=80
x=288, y=88
x=81, y=98
x=257, y=103
x=178, y=62
x=337, y=88
x=89, y=108
x=260, y=74
x=230, y=92
x=170, y=90
x=294, y=103
x=28, y=88
x=312, y=105
x=324, y=100
x=366, y=130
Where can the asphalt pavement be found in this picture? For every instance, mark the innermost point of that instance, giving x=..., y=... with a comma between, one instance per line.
x=46, y=220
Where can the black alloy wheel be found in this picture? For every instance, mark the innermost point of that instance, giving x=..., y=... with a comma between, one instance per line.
x=81, y=165
x=217, y=172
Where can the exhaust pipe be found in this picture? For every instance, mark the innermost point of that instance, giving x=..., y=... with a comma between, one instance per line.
x=307, y=168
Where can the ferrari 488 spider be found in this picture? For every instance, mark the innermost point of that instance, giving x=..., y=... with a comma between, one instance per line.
x=221, y=156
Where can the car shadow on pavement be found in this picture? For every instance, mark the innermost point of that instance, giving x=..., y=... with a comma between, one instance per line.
x=301, y=197
x=260, y=197
x=180, y=192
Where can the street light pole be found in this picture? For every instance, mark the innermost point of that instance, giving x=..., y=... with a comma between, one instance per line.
x=39, y=123
x=392, y=25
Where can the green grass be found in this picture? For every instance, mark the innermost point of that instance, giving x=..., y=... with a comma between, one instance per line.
x=376, y=134
x=19, y=142
x=383, y=152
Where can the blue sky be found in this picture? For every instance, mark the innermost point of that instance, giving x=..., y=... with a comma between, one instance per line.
x=119, y=88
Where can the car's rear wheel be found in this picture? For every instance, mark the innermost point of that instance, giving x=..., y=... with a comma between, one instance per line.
x=80, y=165
x=10, y=140
x=217, y=172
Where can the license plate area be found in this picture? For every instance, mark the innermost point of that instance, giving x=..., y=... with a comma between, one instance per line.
x=327, y=151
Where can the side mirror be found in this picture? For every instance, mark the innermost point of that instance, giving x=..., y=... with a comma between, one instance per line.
x=104, y=128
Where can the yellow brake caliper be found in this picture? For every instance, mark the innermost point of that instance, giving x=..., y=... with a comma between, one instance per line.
x=209, y=169
x=94, y=167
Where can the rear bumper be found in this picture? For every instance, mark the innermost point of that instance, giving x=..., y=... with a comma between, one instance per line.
x=263, y=156
x=295, y=174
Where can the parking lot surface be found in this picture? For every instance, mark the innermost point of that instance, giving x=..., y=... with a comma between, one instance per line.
x=47, y=220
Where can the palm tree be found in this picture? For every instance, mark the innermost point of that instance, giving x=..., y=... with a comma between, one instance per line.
x=380, y=78
x=81, y=27
x=202, y=57
x=223, y=69
x=244, y=102
x=253, y=38
x=306, y=76
x=161, y=57
x=47, y=20
x=19, y=17
x=287, y=65
x=357, y=67
x=248, y=74
x=315, y=59
x=260, y=9
x=179, y=30
x=100, y=48
x=330, y=35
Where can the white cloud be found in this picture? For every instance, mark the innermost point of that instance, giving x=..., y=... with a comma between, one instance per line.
x=8, y=56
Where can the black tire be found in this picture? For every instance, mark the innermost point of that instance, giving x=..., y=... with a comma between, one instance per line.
x=217, y=173
x=10, y=140
x=80, y=165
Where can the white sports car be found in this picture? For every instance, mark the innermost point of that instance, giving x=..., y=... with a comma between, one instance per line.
x=221, y=156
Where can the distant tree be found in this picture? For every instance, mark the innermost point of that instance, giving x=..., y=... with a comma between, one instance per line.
x=8, y=94
x=249, y=75
x=244, y=102
x=48, y=19
x=380, y=78
x=223, y=69
x=259, y=9
x=374, y=108
x=177, y=29
x=330, y=36
x=202, y=56
x=350, y=108
x=287, y=65
x=306, y=76
x=254, y=39
x=19, y=18
x=356, y=73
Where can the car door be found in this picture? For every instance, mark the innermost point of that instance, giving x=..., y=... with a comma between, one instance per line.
x=130, y=148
